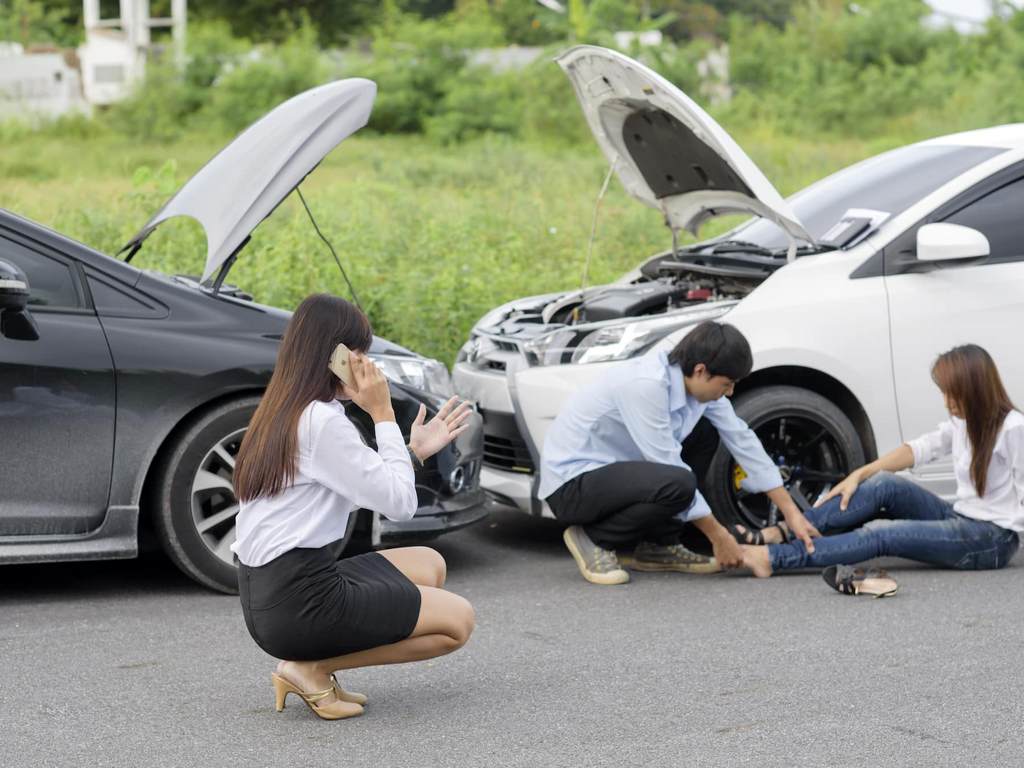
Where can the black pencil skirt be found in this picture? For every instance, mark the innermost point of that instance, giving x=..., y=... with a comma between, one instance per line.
x=306, y=605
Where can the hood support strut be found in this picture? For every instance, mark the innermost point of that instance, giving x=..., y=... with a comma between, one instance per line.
x=134, y=248
x=226, y=266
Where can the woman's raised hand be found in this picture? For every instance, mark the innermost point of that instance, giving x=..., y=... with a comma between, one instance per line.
x=369, y=389
x=427, y=439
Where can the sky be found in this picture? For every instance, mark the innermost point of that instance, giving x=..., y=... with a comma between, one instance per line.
x=964, y=11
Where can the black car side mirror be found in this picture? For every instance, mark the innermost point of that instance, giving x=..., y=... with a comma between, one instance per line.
x=15, y=320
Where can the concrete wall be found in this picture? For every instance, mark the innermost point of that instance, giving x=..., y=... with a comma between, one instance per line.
x=37, y=86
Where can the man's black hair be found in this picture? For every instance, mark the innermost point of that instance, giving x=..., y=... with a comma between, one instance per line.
x=723, y=350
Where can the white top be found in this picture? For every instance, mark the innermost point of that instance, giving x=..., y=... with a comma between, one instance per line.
x=336, y=473
x=1003, y=502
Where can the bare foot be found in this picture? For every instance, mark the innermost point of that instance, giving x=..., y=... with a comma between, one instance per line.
x=757, y=560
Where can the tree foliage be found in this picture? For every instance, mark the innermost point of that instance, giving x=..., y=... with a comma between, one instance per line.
x=803, y=67
x=31, y=22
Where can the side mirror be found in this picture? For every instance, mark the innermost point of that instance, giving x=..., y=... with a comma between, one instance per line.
x=15, y=321
x=13, y=288
x=949, y=242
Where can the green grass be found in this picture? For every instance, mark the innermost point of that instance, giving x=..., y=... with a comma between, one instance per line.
x=432, y=237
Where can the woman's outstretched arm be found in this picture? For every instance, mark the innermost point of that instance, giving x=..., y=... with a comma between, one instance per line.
x=894, y=461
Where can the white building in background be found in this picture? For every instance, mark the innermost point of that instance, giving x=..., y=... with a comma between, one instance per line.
x=45, y=85
x=650, y=38
x=113, y=57
x=38, y=86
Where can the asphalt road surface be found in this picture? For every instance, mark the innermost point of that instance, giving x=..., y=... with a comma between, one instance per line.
x=129, y=663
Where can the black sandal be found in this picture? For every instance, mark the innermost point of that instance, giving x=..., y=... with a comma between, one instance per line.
x=848, y=580
x=755, y=536
x=744, y=535
x=787, y=535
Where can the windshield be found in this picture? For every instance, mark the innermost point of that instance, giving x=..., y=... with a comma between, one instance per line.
x=890, y=182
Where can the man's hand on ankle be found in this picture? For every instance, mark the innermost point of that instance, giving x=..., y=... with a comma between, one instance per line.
x=725, y=548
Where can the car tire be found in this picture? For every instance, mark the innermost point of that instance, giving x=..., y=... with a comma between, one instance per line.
x=821, y=447
x=176, y=521
x=186, y=502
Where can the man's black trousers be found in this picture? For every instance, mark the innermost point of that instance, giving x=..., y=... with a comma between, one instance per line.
x=622, y=504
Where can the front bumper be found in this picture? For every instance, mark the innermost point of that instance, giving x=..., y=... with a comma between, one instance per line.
x=510, y=460
x=511, y=489
x=517, y=403
x=432, y=520
x=447, y=485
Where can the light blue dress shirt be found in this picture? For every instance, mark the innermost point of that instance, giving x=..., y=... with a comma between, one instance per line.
x=641, y=411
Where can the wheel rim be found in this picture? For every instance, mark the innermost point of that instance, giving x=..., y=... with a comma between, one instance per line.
x=810, y=459
x=214, y=504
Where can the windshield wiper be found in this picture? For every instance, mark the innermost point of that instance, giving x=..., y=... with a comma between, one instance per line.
x=753, y=249
x=803, y=250
x=740, y=246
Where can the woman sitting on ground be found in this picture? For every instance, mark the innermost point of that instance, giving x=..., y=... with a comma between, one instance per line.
x=302, y=470
x=985, y=436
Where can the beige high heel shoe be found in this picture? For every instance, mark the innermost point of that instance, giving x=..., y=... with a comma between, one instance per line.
x=350, y=696
x=335, y=710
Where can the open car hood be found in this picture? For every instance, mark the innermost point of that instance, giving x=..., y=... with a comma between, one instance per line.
x=667, y=151
x=250, y=177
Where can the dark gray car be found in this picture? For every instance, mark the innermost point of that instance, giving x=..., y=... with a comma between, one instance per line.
x=124, y=394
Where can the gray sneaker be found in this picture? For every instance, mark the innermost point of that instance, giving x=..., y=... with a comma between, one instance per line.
x=598, y=566
x=674, y=557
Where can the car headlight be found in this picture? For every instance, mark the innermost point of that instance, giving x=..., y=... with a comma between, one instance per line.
x=618, y=340
x=419, y=372
x=551, y=348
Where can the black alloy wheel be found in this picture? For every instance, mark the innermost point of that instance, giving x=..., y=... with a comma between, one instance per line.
x=813, y=443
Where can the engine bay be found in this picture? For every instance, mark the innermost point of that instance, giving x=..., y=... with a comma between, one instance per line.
x=665, y=284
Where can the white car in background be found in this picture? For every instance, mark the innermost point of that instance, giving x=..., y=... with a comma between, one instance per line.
x=847, y=291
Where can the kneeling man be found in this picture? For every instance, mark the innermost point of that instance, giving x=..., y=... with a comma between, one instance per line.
x=621, y=463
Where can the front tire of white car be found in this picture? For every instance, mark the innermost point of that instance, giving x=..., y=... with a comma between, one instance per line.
x=812, y=441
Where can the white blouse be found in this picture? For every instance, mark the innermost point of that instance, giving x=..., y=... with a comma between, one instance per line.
x=336, y=473
x=1003, y=502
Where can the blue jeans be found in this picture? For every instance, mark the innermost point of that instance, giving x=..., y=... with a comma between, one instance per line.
x=894, y=517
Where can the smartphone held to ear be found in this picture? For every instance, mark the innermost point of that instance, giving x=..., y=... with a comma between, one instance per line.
x=340, y=366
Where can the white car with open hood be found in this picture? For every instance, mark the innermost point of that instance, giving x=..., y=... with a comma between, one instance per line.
x=847, y=291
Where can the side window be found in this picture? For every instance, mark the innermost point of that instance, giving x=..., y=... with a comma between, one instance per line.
x=998, y=215
x=51, y=283
x=110, y=300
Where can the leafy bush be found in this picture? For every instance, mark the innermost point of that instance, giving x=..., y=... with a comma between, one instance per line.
x=250, y=88
x=549, y=110
x=33, y=21
x=476, y=103
x=415, y=63
x=836, y=69
x=871, y=69
x=160, y=108
x=164, y=105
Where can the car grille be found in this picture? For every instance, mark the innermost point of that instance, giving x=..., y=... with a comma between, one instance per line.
x=490, y=354
x=504, y=447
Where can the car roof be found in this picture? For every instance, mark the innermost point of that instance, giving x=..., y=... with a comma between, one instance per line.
x=1006, y=136
x=68, y=246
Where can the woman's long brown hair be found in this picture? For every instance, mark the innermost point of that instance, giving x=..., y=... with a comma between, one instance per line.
x=267, y=457
x=968, y=376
